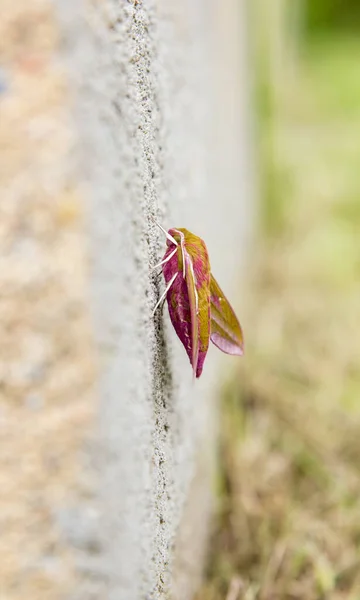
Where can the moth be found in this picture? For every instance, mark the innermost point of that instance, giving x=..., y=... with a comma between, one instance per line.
x=199, y=310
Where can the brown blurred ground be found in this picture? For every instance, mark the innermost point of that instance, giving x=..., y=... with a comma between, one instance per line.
x=45, y=352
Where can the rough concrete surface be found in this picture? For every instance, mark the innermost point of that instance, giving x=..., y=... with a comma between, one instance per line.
x=156, y=124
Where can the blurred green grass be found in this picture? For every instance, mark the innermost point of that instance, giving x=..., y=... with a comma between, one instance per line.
x=331, y=71
x=289, y=487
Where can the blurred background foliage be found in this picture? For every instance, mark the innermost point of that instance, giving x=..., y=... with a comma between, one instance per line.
x=288, y=523
x=331, y=15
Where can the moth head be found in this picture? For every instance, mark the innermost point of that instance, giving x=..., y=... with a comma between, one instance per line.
x=176, y=236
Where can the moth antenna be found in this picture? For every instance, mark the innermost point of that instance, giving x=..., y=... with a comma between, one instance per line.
x=161, y=305
x=169, y=237
x=162, y=297
x=182, y=245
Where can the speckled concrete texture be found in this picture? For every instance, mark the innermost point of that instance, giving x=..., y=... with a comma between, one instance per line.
x=160, y=119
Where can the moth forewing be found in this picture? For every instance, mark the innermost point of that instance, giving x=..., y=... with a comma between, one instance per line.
x=193, y=303
x=226, y=332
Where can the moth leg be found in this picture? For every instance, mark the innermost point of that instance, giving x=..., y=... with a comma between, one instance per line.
x=161, y=305
x=157, y=275
x=163, y=262
x=169, y=237
x=162, y=297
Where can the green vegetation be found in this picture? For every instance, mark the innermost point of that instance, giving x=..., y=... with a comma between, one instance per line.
x=289, y=502
x=331, y=14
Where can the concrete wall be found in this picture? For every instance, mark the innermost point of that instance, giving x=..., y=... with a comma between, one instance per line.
x=161, y=110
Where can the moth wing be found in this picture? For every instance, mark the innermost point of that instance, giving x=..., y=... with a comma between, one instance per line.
x=226, y=332
x=193, y=303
